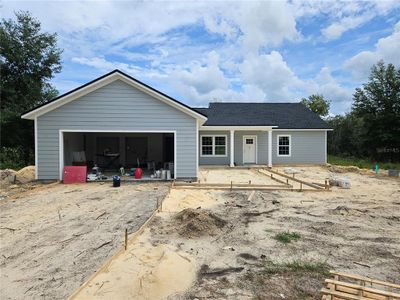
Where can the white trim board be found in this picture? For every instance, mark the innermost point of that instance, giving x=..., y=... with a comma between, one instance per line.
x=35, y=124
x=279, y=129
x=103, y=82
x=61, y=143
x=237, y=128
x=254, y=137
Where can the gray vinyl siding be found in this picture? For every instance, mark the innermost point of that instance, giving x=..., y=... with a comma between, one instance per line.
x=215, y=160
x=308, y=147
x=117, y=106
x=262, y=146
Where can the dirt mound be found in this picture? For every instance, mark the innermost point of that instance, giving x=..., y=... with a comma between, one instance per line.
x=26, y=174
x=192, y=223
x=7, y=176
x=345, y=169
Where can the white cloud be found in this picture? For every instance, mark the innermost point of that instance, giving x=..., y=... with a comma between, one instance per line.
x=271, y=74
x=203, y=78
x=344, y=15
x=386, y=49
x=324, y=83
x=335, y=30
x=266, y=23
x=239, y=60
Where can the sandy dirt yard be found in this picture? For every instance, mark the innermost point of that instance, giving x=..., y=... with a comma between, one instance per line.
x=54, y=236
x=210, y=244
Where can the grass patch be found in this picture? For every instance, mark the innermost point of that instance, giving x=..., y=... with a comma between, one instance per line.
x=361, y=163
x=296, y=279
x=297, y=266
x=287, y=237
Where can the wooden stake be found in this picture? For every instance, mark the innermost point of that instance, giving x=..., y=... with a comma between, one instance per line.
x=231, y=185
x=287, y=181
x=301, y=186
x=249, y=181
x=126, y=238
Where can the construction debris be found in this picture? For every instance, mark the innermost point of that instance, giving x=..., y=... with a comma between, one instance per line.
x=353, y=287
x=342, y=182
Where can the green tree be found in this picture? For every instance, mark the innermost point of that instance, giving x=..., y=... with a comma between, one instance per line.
x=377, y=103
x=318, y=104
x=346, y=138
x=29, y=58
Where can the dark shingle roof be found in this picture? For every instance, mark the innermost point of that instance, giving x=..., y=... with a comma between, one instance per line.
x=283, y=115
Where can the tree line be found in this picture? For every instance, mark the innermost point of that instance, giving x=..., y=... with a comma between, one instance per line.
x=29, y=59
x=372, y=127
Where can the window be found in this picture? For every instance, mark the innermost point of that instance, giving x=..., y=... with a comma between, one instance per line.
x=284, y=145
x=213, y=145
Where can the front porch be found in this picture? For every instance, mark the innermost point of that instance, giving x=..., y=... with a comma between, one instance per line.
x=235, y=146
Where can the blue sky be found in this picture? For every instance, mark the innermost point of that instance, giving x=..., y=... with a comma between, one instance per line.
x=197, y=52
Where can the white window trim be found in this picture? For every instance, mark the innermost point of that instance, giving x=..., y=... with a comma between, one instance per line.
x=290, y=145
x=213, y=145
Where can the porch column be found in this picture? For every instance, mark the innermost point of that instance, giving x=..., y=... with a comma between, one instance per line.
x=232, y=152
x=270, y=148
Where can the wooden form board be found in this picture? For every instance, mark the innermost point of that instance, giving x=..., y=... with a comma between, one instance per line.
x=272, y=177
x=348, y=287
x=282, y=186
x=295, y=179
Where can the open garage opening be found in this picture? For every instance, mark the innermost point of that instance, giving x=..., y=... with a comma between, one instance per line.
x=111, y=152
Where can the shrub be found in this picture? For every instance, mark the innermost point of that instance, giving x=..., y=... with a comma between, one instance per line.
x=287, y=237
x=14, y=158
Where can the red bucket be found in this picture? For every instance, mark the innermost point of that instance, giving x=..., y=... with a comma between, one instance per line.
x=138, y=173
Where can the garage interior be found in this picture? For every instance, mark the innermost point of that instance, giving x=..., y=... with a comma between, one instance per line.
x=152, y=152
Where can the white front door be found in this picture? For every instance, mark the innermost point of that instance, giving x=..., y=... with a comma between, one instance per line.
x=249, y=149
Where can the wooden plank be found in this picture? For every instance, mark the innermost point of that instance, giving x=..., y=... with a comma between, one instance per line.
x=367, y=279
x=232, y=185
x=249, y=188
x=272, y=177
x=342, y=296
x=370, y=292
x=206, y=187
x=295, y=179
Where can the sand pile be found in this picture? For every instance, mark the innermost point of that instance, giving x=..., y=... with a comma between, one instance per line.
x=7, y=176
x=345, y=169
x=25, y=175
x=198, y=222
